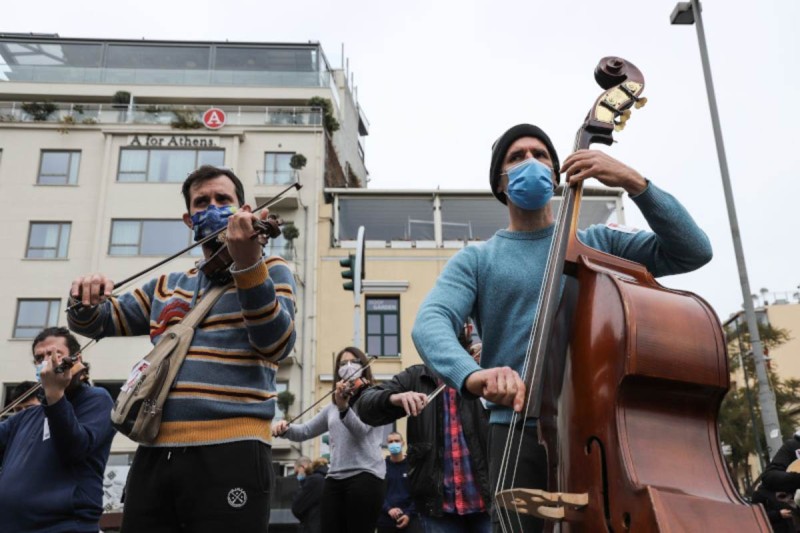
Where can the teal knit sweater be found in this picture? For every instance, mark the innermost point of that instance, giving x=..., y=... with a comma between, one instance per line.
x=225, y=389
x=498, y=282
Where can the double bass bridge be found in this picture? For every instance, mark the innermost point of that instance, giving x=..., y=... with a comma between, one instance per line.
x=540, y=503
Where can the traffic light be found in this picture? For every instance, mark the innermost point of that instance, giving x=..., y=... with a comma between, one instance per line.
x=353, y=266
x=349, y=265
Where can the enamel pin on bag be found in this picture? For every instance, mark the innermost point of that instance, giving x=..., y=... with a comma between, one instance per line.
x=139, y=406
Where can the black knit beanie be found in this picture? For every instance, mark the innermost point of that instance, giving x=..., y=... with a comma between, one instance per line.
x=501, y=146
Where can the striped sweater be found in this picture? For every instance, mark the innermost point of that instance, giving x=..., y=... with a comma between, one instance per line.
x=225, y=389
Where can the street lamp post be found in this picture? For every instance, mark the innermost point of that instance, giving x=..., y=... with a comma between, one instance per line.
x=691, y=13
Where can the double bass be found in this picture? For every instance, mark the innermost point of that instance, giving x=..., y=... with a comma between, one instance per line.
x=626, y=378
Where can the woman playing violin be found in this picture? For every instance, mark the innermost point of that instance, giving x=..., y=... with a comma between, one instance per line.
x=353, y=493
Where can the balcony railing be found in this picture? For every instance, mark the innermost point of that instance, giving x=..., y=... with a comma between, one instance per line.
x=276, y=177
x=72, y=113
x=141, y=76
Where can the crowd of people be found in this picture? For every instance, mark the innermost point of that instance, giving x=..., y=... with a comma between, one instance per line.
x=208, y=469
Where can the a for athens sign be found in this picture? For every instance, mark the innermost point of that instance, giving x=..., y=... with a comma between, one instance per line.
x=214, y=118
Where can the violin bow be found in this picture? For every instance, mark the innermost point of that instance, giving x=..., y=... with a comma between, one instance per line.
x=268, y=203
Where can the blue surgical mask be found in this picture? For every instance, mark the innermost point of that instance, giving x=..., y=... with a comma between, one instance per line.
x=395, y=448
x=210, y=220
x=301, y=477
x=39, y=367
x=530, y=184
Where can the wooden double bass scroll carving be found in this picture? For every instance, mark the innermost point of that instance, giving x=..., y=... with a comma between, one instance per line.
x=626, y=378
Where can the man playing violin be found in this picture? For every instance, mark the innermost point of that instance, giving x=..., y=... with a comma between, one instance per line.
x=498, y=282
x=209, y=467
x=56, y=453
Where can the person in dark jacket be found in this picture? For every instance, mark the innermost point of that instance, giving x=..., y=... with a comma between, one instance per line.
x=306, y=501
x=56, y=453
x=779, y=508
x=449, y=493
x=398, y=513
x=776, y=477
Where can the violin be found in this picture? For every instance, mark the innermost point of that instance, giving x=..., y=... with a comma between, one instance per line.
x=81, y=375
x=217, y=267
x=353, y=387
x=357, y=385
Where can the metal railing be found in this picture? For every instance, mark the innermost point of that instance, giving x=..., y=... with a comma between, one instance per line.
x=143, y=76
x=74, y=113
x=275, y=177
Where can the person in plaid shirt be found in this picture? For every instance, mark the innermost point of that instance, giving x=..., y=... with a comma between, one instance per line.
x=447, y=455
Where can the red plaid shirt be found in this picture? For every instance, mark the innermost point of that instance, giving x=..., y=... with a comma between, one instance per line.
x=461, y=493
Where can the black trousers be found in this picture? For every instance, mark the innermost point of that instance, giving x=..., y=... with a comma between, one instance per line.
x=199, y=489
x=531, y=473
x=351, y=505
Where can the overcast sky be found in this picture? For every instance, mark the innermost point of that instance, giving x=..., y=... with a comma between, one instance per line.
x=439, y=81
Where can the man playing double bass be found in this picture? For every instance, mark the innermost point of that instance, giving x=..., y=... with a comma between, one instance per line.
x=497, y=283
x=209, y=468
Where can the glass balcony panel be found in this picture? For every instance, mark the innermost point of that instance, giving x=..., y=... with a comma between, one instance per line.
x=386, y=218
x=157, y=57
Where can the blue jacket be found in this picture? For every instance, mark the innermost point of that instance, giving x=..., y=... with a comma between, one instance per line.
x=397, y=493
x=55, y=456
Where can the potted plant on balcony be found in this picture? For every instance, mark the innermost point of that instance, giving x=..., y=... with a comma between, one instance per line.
x=121, y=100
x=39, y=111
x=328, y=120
x=185, y=119
x=290, y=233
x=298, y=161
x=285, y=400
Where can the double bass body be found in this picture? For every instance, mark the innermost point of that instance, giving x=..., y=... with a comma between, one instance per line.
x=629, y=413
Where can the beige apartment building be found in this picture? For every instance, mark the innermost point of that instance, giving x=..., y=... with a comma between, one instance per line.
x=96, y=137
x=779, y=311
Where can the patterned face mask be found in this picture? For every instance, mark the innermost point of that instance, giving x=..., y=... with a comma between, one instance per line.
x=210, y=220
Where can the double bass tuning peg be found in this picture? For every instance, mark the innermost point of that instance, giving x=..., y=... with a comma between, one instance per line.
x=640, y=103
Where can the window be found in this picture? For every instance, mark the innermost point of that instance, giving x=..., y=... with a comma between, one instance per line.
x=163, y=165
x=59, y=168
x=281, y=247
x=150, y=237
x=280, y=386
x=383, y=326
x=472, y=218
x=276, y=168
x=152, y=56
x=48, y=240
x=35, y=315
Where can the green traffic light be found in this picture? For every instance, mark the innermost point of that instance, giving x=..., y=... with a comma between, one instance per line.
x=349, y=264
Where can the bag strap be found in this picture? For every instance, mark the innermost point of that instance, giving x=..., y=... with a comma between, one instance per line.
x=199, y=311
